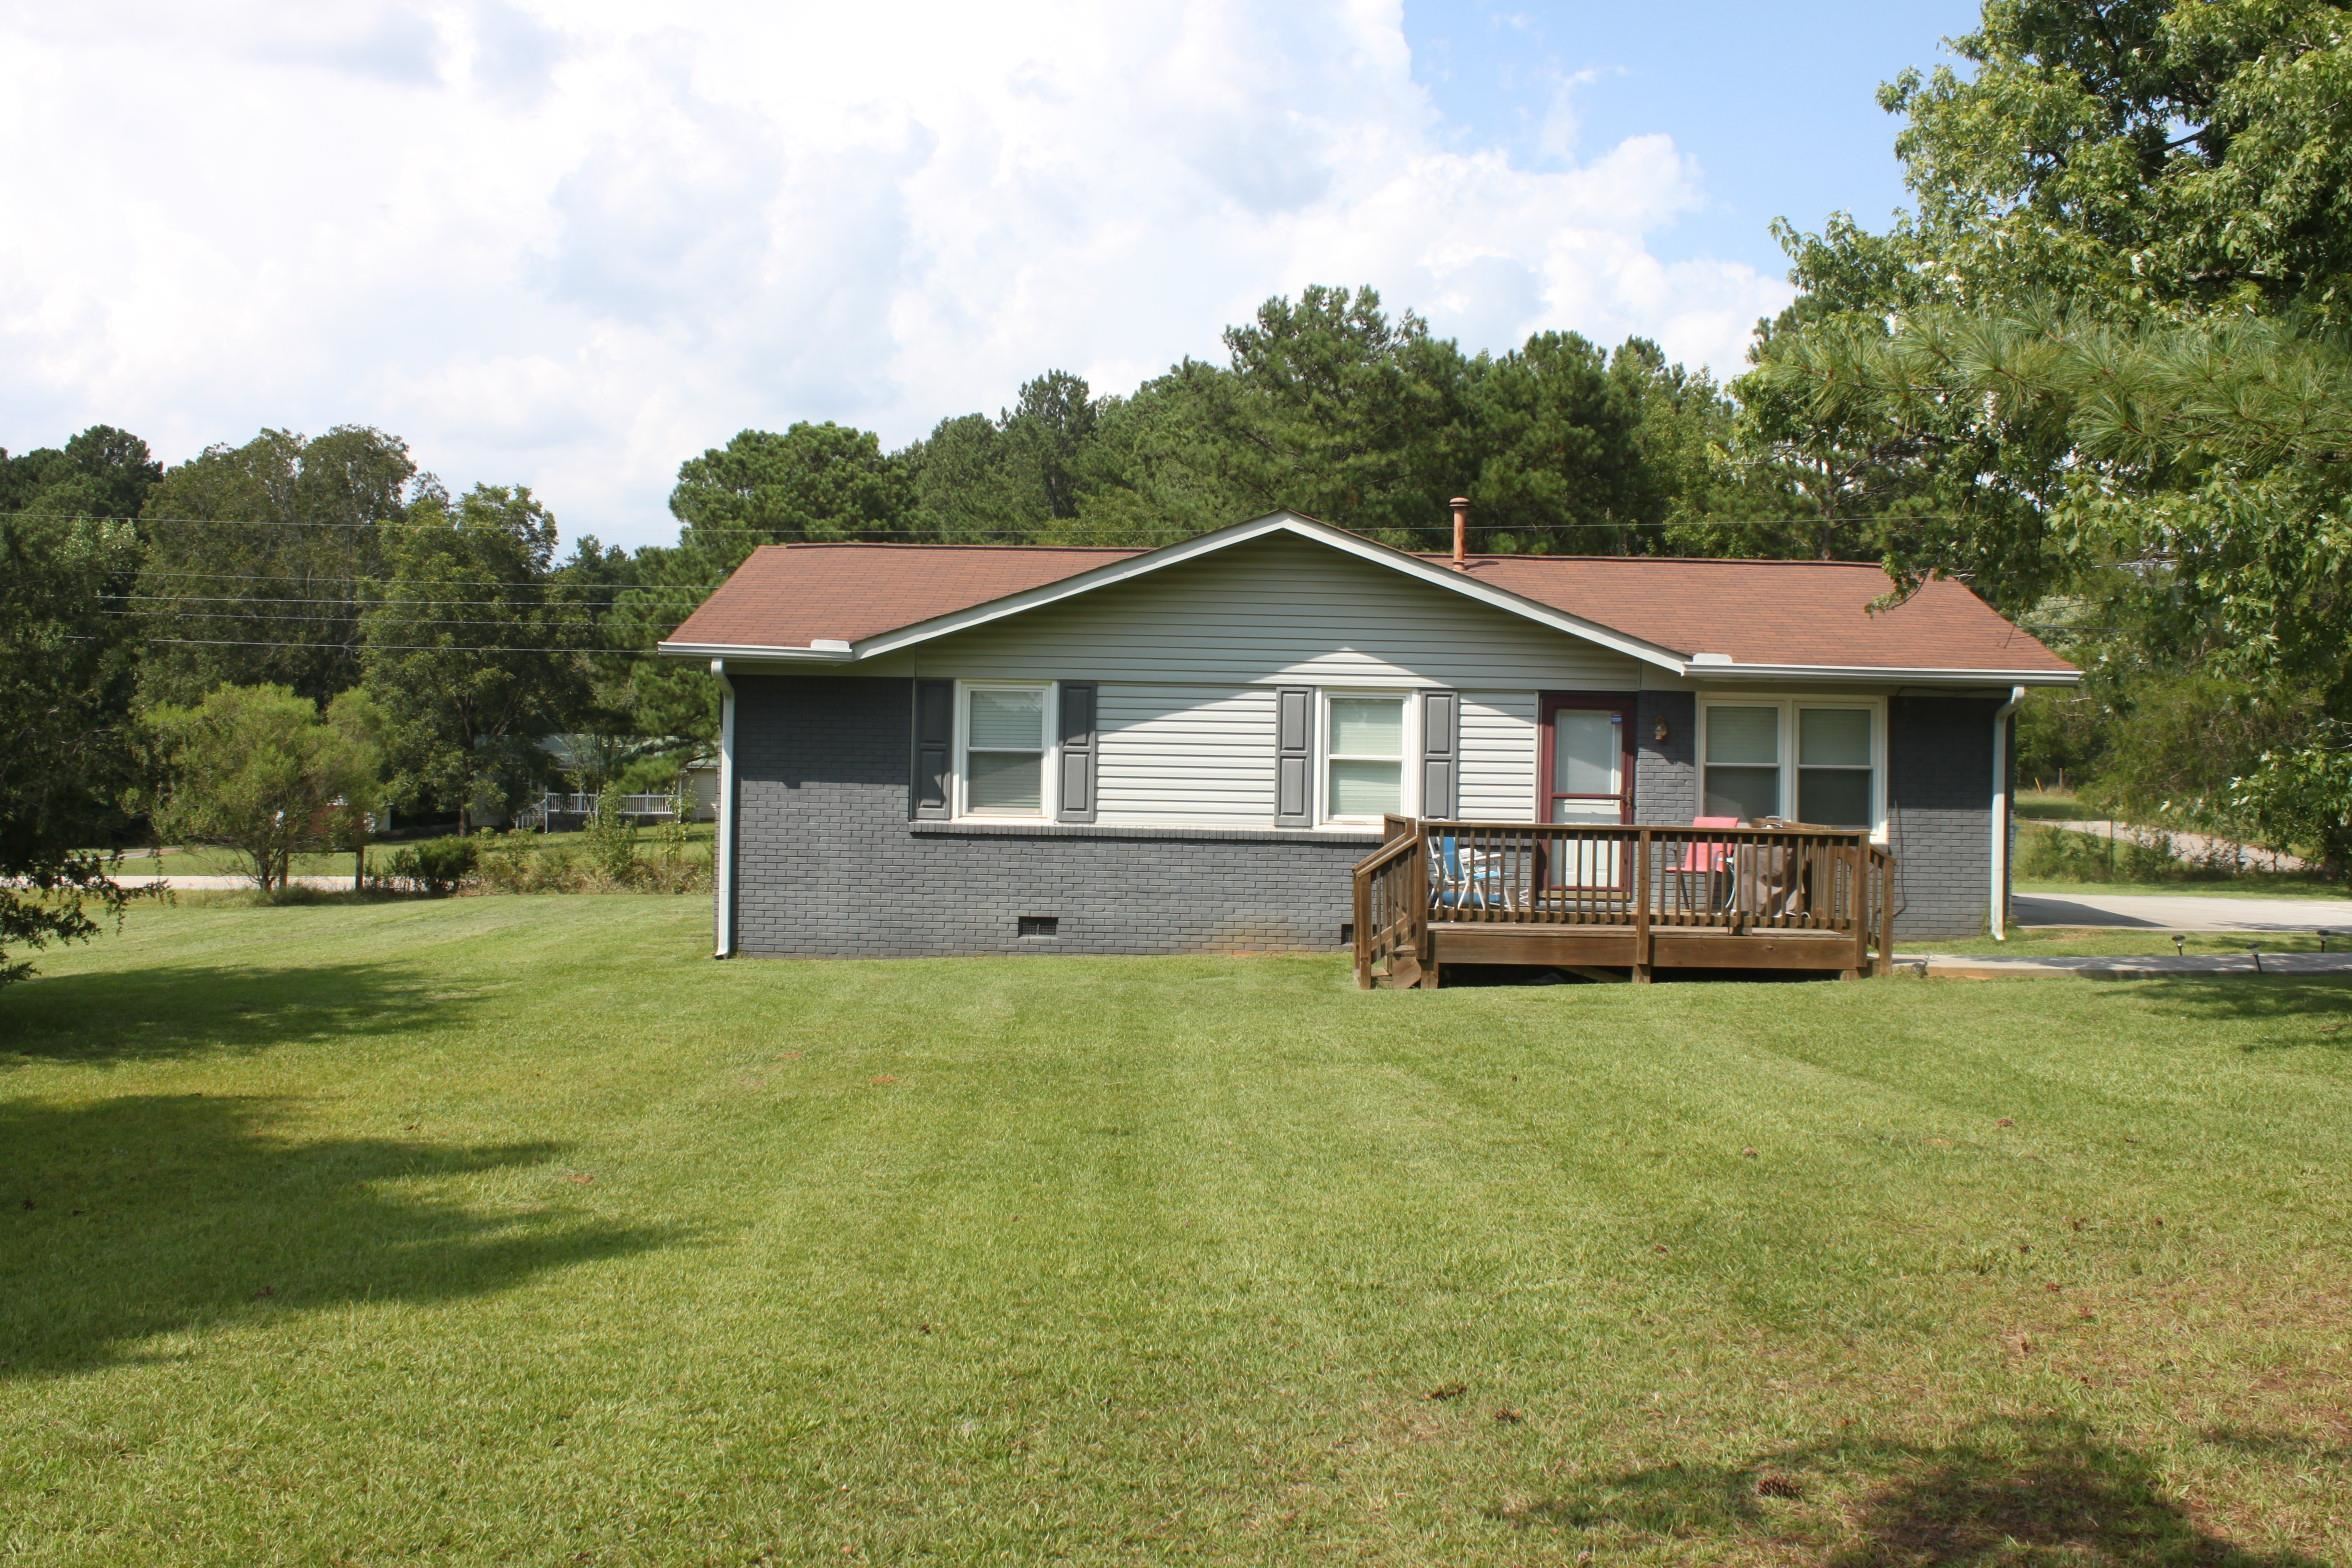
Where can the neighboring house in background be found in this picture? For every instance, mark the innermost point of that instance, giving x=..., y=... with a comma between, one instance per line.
x=952, y=749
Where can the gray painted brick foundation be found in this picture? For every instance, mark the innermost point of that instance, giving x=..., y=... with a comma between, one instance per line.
x=827, y=862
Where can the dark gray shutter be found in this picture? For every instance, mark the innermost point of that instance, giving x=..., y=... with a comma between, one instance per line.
x=1294, y=760
x=1441, y=751
x=934, y=741
x=1078, y=753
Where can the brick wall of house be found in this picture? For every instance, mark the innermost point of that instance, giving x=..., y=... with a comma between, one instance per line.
x=828, y=864
x=1940, y=789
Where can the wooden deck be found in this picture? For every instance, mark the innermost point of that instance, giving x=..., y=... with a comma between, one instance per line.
x=1632, y=898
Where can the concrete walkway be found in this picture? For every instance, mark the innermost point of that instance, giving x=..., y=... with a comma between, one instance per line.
x=2185, y=912
x=2005, y=966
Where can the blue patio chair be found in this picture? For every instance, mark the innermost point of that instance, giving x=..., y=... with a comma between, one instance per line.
x=1467, y=878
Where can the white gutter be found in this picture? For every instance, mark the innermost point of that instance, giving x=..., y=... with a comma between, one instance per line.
x=2000, y=887
x=823, y=651
x=724, y=849
x=1716, y=668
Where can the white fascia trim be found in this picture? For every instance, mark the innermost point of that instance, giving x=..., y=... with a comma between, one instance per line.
x=1903, y=674
x=746, y=651
x=1258, y=528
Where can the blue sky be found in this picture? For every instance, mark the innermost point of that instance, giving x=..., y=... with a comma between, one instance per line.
x=1776, y=102
x=571, y=243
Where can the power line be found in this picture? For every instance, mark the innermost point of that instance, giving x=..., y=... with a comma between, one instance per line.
x=356, y=605
x=288, y=617
x=437, y=582
x=421, y=647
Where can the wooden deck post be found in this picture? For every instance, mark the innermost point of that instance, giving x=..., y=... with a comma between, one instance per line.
x=1641, y=908
x=1858, y=907
x=1419, y=937
x=1363, y=932
x=1886, y=914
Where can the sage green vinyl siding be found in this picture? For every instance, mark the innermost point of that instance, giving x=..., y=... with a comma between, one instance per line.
x=1278, y=611
x=1197, y=755
x=1498, y=756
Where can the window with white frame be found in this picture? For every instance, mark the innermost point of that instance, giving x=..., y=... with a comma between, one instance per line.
x=1363, y=755
x=1002, y=769
x=1812, y=760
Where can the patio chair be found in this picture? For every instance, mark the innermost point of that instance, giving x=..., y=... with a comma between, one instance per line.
x=1467, y=878
x=1708, y=858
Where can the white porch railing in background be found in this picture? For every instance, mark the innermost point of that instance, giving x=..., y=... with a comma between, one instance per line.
x=642, y=808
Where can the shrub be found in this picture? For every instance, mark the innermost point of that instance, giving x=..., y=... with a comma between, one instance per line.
x=667, y=869
x=610, y=840
x=2062, y=855
x=436, y=867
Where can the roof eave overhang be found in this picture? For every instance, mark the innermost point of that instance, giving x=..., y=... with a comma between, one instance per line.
x=1191, y=549
x=1705, y=670
x=747, y=653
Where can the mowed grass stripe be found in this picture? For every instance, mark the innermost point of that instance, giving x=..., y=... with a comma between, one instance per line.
x=578, y=1245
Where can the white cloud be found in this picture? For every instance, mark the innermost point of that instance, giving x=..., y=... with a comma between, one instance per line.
x=573, y=246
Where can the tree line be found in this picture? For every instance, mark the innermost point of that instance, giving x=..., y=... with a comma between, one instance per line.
x=2102, y=370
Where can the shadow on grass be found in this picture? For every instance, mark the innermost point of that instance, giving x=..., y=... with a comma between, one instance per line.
x=151, y=1215
x=2021, y=1491
x=2312, y=1010
x=181, y=1010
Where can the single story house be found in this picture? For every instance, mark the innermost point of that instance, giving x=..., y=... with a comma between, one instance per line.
x=946, y=749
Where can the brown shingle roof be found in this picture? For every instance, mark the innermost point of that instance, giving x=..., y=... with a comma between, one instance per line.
x=1756, y=612
x=1775, y=612
x=788, y=596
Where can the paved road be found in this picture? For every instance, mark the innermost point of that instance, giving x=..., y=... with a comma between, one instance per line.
x=2185, y=912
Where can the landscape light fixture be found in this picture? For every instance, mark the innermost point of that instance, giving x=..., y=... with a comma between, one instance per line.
x=2180, y=947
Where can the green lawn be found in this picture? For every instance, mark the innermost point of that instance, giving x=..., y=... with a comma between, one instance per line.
x=2252, y=884
x=176, y=861
x=2110, y=942
x=516, y=1230
x=2055, y=805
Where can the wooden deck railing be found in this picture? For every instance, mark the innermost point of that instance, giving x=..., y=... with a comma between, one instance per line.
x=1625, y=883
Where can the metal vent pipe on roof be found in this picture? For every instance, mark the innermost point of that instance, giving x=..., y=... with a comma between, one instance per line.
x=1461, y=506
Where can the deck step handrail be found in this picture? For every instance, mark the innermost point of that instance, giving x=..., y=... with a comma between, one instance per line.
x=1809, y=884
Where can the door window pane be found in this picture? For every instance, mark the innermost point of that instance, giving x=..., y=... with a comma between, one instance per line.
x=1585, y=752
x=1742, y=792
x=1834, y=797
x=1833, y=737
x=1365, y=789
x=1743, y=736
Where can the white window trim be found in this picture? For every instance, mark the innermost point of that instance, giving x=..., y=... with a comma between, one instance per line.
x=1409, y=738
x=1050, y=758
x=1787, y=704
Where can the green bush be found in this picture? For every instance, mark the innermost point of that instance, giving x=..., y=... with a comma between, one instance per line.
x=436, y=867
x=610, y=841
x=2048, y=854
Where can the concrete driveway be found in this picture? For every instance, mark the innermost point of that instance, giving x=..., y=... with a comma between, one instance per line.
x=2185, y=912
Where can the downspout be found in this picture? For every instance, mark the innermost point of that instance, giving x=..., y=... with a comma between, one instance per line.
x=2000, y=888
x=724, y=850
